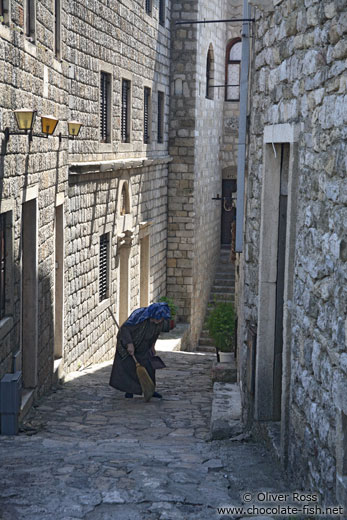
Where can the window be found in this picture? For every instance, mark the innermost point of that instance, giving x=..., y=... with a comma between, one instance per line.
x=105, y=107
x=146, y=114
x=160, y=117
x=148, y=6
x=103, y=267
x=233, y=67
x=125, y=201
x=57, y=27
x=209, y=73
x=30, y=18
x=2, y=265
x=125, y=122
x=4, y=11
x=162, y=12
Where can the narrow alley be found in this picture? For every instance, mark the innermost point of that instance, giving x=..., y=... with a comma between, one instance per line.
x=85, y=452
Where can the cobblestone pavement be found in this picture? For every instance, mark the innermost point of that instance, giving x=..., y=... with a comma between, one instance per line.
x=87, y=452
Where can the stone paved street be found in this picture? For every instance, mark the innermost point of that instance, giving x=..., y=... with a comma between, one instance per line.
x=86, y=452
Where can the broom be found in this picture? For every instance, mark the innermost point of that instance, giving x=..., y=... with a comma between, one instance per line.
x=145, y=380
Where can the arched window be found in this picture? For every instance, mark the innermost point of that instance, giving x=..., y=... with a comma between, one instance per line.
x=233, y=70
x=209, y=73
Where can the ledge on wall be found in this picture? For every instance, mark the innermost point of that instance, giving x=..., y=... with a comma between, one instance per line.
x=114, y=168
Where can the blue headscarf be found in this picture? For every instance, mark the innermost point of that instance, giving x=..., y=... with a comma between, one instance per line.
x=155, y=310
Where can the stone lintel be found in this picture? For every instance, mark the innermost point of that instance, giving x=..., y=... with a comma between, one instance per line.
x=115, y=168
x=282, y=133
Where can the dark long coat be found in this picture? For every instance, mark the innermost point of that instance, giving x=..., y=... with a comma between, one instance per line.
x=143, y=336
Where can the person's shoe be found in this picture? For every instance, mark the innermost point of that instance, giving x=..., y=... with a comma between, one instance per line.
x=157, y=395
x=129, y=396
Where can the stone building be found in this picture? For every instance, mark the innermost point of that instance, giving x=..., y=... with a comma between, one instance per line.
x=122, y=214
x=292, y=288
x=84, y=221
x=202, y=153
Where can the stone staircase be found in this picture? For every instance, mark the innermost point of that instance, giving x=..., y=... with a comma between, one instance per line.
x=223, y=289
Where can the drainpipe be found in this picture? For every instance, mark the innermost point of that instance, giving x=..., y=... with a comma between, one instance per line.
x=241, y=156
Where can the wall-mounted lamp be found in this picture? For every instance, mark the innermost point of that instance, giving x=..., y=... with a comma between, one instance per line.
x=48, y=124
x=25, y=119
x=74, y=128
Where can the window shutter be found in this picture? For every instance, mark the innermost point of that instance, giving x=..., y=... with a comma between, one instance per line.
x=146, y=115
x=125, y=110
x=2, y=8
x=208, y=74
x=104, y=123
x=103, y=265
x=148, y=6
x=160, y=116
x=162, y=12
x=2, y=264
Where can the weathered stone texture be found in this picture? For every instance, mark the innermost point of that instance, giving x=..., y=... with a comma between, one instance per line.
x=31, y=77
x=94, y=209
x=196, y=124
x=299, y=76
x=126, y=42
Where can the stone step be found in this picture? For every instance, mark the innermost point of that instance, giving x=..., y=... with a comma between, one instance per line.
x=206, y=342
x=204, y=334
x=204, y=348
x=222, y=289
x=224, y=276
x=221, y=297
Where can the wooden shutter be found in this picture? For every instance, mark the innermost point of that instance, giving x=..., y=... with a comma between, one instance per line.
x=208, y=75
x=160, y=117
x=104, y=111
x=162, y=12
x=103, y=267
x=2, y=264
x=125, y=110
x=147, y=93
x=148, y=6
x=2, y=8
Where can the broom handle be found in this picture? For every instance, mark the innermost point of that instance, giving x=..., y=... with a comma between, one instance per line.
x=113, y=316
x=114, y=319
x=134, y=358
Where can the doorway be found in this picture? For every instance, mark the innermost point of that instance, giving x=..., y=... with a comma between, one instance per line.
x=124, y=255
x=144, y=271
x=29, y=293
x=273, y=267
x=59, y=283
x=228, y=211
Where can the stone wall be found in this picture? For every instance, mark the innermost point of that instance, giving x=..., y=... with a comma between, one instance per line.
x=299, y=77
x=31, y=77
x=231, y=108
x=125, y=42
x=94, y=206
x=85, y=175
x=195, y=171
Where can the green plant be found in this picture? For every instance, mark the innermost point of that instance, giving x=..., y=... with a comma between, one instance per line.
x=221, y=326
x=171, y=304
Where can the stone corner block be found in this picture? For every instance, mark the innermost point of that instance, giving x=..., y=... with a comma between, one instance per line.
x=224, y=372
x=226, y=411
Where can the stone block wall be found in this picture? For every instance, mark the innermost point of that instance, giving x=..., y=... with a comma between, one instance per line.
x=299, y=77
x=126, y=42
x=231, y=108
x=195, y=172
x=94, y=205
x=31, y=77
